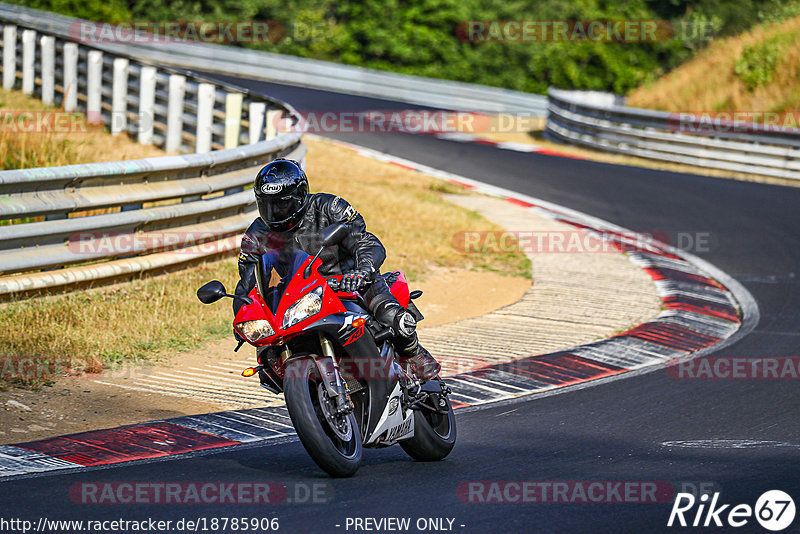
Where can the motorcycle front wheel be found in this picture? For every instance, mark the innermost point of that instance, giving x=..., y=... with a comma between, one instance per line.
x=332, y=440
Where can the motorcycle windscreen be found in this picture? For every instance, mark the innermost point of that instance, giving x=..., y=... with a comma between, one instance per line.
x=274, y=272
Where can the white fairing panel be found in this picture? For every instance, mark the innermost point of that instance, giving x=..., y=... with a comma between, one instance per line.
x=392, y=422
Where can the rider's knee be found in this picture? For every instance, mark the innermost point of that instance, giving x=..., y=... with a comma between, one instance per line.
x=389, y=312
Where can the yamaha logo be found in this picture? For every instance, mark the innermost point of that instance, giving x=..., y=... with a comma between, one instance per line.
x=271, y=188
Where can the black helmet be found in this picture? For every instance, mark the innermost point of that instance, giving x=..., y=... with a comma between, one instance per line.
x=281, y=189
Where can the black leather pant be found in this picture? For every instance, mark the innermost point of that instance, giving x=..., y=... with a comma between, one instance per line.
x=387, y=310
x=381, y=302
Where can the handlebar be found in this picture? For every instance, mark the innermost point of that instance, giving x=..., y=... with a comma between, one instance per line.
x=333, y=282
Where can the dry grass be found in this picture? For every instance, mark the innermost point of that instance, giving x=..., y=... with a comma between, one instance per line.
x=708, y=82
x=149, y=317
x=404, y=209
x=102, y=327
x=76, y=143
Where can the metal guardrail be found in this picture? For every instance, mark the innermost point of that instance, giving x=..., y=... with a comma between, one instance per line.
x=303, y=72
x=157, y=213
x=594, y=122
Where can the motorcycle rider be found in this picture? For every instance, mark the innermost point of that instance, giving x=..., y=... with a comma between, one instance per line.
x=292, y=217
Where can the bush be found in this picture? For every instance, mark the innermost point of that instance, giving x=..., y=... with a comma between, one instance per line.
x=756, y=65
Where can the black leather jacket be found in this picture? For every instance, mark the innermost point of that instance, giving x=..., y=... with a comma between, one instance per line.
x=359, y=250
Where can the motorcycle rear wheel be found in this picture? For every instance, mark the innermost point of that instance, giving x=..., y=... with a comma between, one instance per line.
x=333, y=441
x=434, y=435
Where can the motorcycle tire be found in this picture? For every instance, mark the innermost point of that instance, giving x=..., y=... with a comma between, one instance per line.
x=434, y=435
x=335, y=446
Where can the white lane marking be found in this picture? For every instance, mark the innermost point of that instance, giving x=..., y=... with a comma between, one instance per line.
x=231, y=376
x=197, y=420
x=181, y=385
x=728, y=444
x=230, y=379
x=496, y=392
x=475, y=383
x=518, y=147
x=233, y=368
x=140, y=388
x=271, y=421
x=472, y=400
x=239, y=422
x=182, y=392
x=468, y=377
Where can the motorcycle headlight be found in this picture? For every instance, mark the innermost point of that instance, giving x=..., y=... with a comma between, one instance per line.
x=304, y=308
x=255, y=330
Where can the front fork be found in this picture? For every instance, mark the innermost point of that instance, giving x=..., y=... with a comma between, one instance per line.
x=329, y=370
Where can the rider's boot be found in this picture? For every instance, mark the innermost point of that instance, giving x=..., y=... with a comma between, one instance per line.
x=416, y=358
x=411, y=354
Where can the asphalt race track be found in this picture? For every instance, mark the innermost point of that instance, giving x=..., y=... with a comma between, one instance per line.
x=614, y=431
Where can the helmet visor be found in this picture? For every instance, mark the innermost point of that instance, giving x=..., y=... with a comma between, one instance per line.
x=275, y=209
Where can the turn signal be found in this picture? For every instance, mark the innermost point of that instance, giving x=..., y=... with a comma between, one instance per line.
x=250, y=371
x=358, y=323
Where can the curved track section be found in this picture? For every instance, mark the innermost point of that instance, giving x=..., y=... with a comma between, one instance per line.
x=699, y=312
x=739, y=437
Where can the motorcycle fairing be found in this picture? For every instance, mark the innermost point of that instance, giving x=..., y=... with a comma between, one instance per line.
x=393, y=422
x=286, y=292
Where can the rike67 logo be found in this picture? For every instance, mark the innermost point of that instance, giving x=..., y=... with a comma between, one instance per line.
x=774, y=510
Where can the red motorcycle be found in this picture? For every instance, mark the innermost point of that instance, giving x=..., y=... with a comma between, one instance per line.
x=335, y=364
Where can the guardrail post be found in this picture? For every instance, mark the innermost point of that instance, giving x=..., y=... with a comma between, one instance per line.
x=119, y=96
x=70, y=81
x=28, y=57
x=9, y=56
x=147, y=101
x=233, y=119
x=94, y=79
x=48, y=44
x=177, y=90
x=273, y=117
x=255, y=116
x=205, y=117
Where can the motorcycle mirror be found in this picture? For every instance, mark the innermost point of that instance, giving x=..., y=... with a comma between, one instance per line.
x=330, y=235
x=333, y=234
x=211, y=292
x=214, y=290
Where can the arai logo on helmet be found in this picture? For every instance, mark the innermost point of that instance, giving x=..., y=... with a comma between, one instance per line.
x=268, y=189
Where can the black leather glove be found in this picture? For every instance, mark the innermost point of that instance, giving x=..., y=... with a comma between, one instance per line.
x=355, y=280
